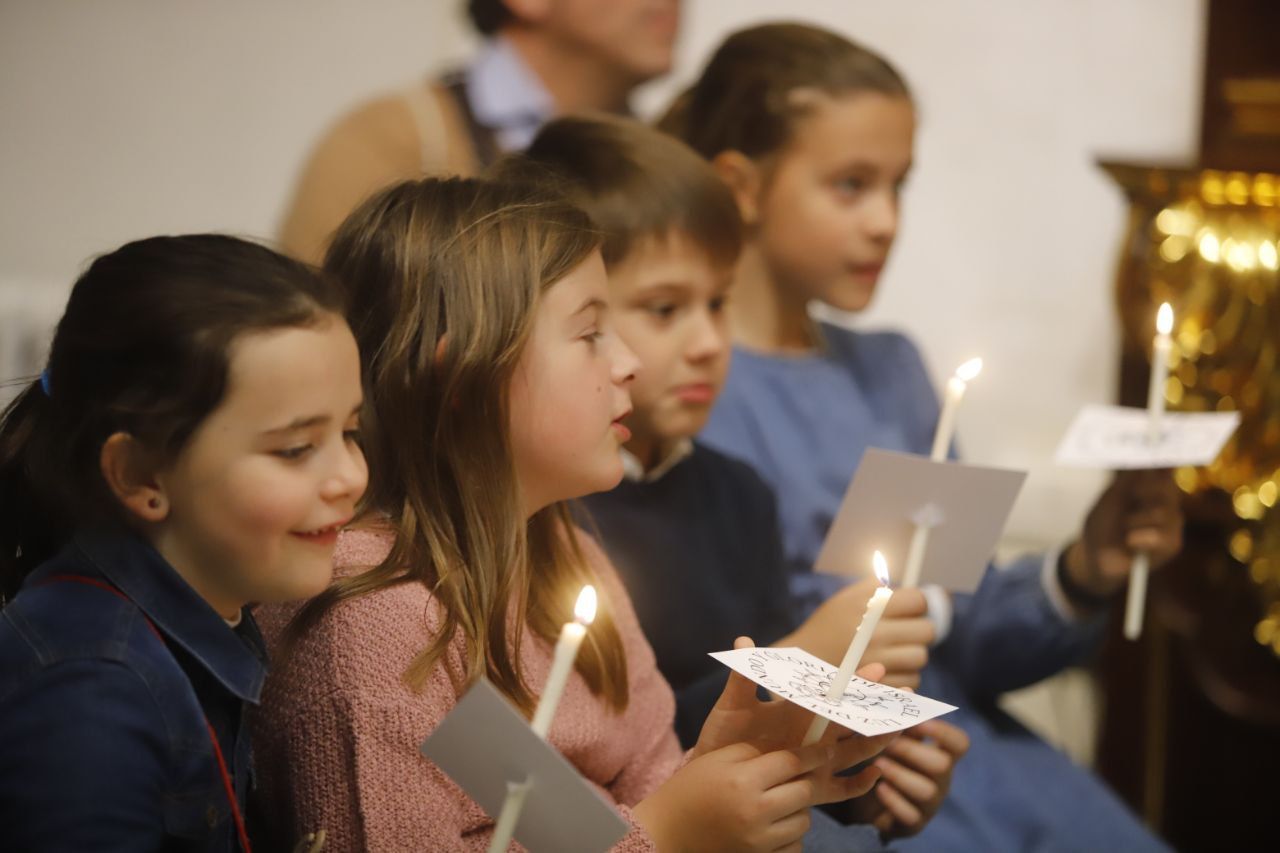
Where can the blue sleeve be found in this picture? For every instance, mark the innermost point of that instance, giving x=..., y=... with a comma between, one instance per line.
x=1008, y=635
x=83, y=766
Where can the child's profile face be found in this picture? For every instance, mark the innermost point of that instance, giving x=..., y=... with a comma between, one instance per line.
x=828, y=214
x=635, y=38
x=569, y=394
x=668, y=300
x=256, y=498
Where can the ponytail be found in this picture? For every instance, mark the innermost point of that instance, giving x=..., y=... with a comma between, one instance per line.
x=31, y=524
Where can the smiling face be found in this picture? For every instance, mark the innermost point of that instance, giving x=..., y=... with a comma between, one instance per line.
x=668, y=302
x=256, y=497
x=828, y=212
x=569, y=393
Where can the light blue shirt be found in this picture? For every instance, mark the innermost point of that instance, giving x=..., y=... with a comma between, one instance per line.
x=506, y=96
x=804, y=423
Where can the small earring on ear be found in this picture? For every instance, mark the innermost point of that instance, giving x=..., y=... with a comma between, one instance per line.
x=154, y=503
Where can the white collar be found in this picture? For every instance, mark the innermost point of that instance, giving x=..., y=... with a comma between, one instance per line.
x=505, y=94
x=633, y=471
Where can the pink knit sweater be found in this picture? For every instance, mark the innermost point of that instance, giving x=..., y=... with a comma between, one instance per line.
x=336, y=740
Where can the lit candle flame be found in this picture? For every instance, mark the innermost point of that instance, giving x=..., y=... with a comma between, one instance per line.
x=1164, y=319
x=881, y=568
x=968, y=371
x=585, y=610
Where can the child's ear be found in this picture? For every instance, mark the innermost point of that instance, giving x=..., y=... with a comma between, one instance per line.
x=742, y=175
x=131, y=478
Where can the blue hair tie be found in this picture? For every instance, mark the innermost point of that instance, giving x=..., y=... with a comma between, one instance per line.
x=44, y=383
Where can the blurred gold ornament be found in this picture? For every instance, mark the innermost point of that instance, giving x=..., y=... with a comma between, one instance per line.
x=1208, y=241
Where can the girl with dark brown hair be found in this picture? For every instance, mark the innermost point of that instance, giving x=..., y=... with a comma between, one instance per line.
x=190, y=448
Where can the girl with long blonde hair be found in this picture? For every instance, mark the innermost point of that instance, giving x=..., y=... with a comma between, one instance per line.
x=497, y=390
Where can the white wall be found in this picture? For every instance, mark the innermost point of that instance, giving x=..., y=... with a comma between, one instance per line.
x=125, y=118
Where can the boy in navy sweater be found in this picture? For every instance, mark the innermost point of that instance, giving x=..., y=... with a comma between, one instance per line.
x=693, y=532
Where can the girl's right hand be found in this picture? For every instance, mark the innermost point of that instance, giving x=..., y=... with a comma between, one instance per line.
x=736, y=798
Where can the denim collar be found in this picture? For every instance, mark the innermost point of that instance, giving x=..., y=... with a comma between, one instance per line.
x=506, y=95
x=235, y=657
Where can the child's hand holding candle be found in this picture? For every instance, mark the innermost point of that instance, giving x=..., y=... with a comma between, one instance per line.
x=875, y=609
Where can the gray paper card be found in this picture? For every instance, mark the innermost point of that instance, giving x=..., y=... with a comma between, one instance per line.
x=484, y=743
x=965, y=507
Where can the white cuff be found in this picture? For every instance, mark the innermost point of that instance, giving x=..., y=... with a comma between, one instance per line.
x=1053, y=588
x=938, y=610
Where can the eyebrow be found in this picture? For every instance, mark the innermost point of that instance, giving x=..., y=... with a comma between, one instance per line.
x=866, y=166
x=304, y=422
x=663, y=286
x=673, y=287
x=591, y=302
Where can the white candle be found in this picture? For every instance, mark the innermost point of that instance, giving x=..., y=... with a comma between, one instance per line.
x=505, y=826
x=571, y=637
x=942, y=436
x=853, y=655
x=1136, y=600
x=956, y=385
x=1160, y=349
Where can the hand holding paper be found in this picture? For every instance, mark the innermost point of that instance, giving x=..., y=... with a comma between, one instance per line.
x=742, y=789
x=1139, y=512
x=736, y=798
x=740, y=716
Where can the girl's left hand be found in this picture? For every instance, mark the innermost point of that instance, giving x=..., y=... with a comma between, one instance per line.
x=771, y=724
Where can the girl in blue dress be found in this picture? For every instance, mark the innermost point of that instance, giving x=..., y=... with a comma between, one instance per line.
x=815, y=136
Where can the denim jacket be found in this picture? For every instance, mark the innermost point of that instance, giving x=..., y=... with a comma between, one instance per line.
x=103, y=737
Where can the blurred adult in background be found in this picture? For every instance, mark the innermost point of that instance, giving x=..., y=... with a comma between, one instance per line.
x=540, y=59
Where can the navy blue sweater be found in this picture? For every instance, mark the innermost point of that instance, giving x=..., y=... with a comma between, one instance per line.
x=701, y=557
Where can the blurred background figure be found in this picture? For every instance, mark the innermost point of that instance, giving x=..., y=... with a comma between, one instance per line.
x=539, y=59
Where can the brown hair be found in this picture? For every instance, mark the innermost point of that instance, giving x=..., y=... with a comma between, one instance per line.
x=488, y=16
x=142, y=348
x=443, y=278
x=755, y=84
x=639, y=184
